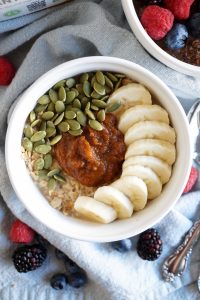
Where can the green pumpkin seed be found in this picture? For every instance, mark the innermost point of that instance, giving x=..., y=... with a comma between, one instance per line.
x=113, y=106
x=101, y=115
x=63, y=126
x=120, y=75
x=99, y=103
x=95, y=125
x=79, y=88
x=28, y=131
x=74, y=125
x=51, y=107
x=93, y=107
x=43, y=149
x=47, y=115
x=70, y=115
x=56, y=139
x=87, y=88
x=76, y=132
x=59, y=178
x=76, y=91
x=32, y=116
x=27, y=144
x=54, y=117
x=43, y=126
x=118, y=84
x=42, y=142
x=95, y=95
x=40, y=108
x=84, y=77
x=100, y=77
x=51, y=131
x=112, y=77
x=93, y=80
x=70, y=82
x=100, y=89
x=48, y=161
x=59, y=106
x=81, y=118
x=53, y=172
x=77, y=103
x=105, y=98
x=75, y=109
x=38, y=164
x=42, y=174
x=37, y=136
x=53, y=95
x=90, y=114
x=108, y=90
x=84, y=102
x=62, y=94
x=87, y=106
x=108, y=82
x=52, y=184
x=50, y=124
x=59, y=84
x=59, y=118
x=70, y=96
x=44, y=100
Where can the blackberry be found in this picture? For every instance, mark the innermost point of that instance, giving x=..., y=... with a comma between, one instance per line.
x=149, y=246
x=29, y=258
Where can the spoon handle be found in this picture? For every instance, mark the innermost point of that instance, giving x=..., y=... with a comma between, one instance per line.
x=176, y=263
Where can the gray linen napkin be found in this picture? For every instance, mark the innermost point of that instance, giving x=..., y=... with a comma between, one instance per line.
x=39, y=42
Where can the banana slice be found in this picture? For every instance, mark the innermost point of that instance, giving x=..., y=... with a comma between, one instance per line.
x=111, y=196
x=142, y=113
x=94, y=210
x=153, y=147
x=130, y=95
x=154, y=185
x=161, y=168
x=134, y=188
x=150, y=130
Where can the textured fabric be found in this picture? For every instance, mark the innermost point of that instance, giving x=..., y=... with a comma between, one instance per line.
x=39, y=42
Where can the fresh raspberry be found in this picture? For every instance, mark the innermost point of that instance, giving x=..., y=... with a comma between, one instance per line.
x=7, y=71
x=179, y=8
x=157, y=21
x=21, y=233
x=192, y=180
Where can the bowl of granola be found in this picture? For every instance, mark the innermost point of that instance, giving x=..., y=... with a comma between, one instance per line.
x=102, y=146
x=168, y=30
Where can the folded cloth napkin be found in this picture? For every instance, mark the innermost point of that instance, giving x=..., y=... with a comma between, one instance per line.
x=35, y=44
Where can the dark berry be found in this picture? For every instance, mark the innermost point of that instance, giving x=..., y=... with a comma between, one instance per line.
x=194, y=25
x=71, y=266
x=29, y=258
x=59, y=281
x=177, y=37
x=60, y=255
x=78, y=279
x=122, y=246
x=149, y=246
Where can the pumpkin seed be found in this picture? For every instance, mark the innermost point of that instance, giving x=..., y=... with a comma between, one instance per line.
x=77, y=103
x=100, y=89
x=43, y=126
x=53, y=172
x=70, y=115
x=42, y=142
x=84, y=102
x=76, y=132
x=79, y=88
x=28, y=131
x=93, y=80
x=51, y=107
x=74, y=125
x=37, y=136
x=75, y=109
x=112, y=77
x=108, y=82
x=43, y=149
x=62, y=94
x=120, y=75
x=51, y=131
x=27, y=144
x=94, y=107
x=81, y=118
x=47, y=115
x=87, y=88
x=39, y=108
x=48, y=161
x=53, y=95
x=118, y=84
x=95, y=95
x=44, y=100
x=54, y=117
x=76, y=91
x=113, y=106
x=59, y=84
x=42, y=174
x=70, y=96
x=84, y=77
x=56, y=139
x=95, y=125
x=101, y=115
x=50, y=124
x=105, y=98
x=38, y=164
x=59, y=106
x=63, y=126
x=52, y=183
x=99, y=103
x=70, y=82
x=59, y=178
x=32, y=116
x=90, y=114
x=100, y=77
x=108, y=90
x=87, y=106
x=59, y=118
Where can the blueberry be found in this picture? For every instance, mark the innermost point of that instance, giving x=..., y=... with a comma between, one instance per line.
x=177, y=37
x=78, y=279
x=122, y=246
x=58, y=281
x=71, y=266
x=194, y=25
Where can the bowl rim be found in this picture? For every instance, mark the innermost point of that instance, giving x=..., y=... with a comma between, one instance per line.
x=14, y=158
x=152, y=47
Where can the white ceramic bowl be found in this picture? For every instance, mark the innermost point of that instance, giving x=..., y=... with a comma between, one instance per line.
x=35, y=202
x=152, y=47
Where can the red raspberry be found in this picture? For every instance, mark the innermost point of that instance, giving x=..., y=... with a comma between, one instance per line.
x=21, y=233
x=157, y=21
x=7, y=71
x=192, y=180
x=179, y=8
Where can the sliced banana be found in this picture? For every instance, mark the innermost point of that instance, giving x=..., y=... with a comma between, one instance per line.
x=161, y=168
x=150, y=130
x=142, y=113
x=111, y=196
x=134, y=188
x=153, y=147
x=94, y=210
x=154, y=185
x=130, y=95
